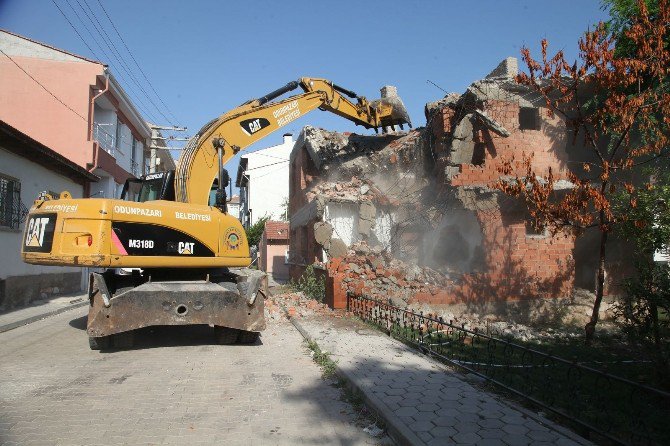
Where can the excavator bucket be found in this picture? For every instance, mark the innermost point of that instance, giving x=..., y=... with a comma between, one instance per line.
x=391, y=109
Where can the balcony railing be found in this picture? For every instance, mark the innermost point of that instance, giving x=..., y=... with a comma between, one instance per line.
x=103, y=134
x=135, y=168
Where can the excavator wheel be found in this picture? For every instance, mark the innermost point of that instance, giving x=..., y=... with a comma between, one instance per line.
x=226, y=336
x=248, y=337
x=99, y=343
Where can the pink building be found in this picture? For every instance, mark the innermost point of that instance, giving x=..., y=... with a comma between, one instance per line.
x=273, y=250
x=74, y=106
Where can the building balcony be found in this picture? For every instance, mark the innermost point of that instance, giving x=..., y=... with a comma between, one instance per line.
x=135, y=168
x=102, y=134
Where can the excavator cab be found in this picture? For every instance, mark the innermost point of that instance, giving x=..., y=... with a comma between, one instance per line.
x=150, y=187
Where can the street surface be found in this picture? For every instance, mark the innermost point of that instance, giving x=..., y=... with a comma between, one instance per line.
x=174, y=387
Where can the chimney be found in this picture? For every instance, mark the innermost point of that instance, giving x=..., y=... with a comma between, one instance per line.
x=389, y=91
x=288, y=138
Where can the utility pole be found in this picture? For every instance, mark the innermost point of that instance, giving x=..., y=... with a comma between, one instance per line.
x=159, y=143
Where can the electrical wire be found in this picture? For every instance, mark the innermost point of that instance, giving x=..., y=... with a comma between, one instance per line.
x=75, y=30
x=43, y=87
x=136, y=63
x=140, y=105
x=266, y=165
x=102, y=33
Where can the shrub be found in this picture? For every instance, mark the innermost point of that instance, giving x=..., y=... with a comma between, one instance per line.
x=310, y=284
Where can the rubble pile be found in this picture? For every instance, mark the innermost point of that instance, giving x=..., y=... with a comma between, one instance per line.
x=377, y=274
x=293, y=304
x=385, y=169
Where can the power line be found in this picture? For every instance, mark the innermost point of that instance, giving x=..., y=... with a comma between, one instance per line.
x=43, y=87
x=134, y=60
x=102, y=33
x=266, y=165
x=75, y=30
x=144, y=107
x=87, y=45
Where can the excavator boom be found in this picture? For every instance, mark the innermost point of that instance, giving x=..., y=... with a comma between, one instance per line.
x=222, y=138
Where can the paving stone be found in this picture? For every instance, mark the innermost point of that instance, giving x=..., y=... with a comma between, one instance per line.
x=443, y=431
x=424, y=436
x=513, y=418
x=491, y=433
x=465, y=428
x=393, y=391
x=467, y=417
x=490, y=423
x=420, y=426
x=392, y=399
x=410, y=402
x=491, y=442
x=441, y=441
x=466, y=438
x=427, y=407
x=515, y=429
x=516, y=440
x=406, y=411
x=542, y=435
x=445, y=421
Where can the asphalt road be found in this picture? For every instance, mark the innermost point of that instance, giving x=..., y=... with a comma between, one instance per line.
x=174, y=387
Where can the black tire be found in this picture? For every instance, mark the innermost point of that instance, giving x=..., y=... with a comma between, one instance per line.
x=124, y=340
x=99, y=343
x=248, y=337
x=226, y=336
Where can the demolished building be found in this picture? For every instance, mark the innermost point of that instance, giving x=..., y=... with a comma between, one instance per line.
x=414, y=216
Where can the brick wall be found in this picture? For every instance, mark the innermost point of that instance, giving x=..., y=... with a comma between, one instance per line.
x=517, y=262
x=303, y=249
x=548, y=145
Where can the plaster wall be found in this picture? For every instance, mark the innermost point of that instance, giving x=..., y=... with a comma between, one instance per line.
x=61, y=124
x=22, y=282
x=268, y=180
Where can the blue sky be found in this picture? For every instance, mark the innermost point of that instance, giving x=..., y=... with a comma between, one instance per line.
x=205, y=57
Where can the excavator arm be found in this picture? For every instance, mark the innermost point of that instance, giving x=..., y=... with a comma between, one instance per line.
x=222, y=138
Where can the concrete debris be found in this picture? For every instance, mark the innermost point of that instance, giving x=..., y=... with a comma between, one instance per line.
x=293, y=305
x=492, y=124
x=323, y=231
x=337, y=248
x=383, y=276
x=373, y=430
x=366, y=217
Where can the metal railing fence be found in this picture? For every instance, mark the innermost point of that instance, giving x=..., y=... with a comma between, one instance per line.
x=615, y=409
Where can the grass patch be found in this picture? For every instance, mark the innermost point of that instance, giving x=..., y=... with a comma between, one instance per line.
x=322, y=359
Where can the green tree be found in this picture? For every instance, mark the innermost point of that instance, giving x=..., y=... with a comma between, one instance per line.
x=255, y=231
x=643, y=311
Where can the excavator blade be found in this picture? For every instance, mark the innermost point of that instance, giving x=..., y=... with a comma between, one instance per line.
x=391, y=109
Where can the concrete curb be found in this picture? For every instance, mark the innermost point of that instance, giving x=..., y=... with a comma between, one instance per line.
x=395, y=428
x=30, y=320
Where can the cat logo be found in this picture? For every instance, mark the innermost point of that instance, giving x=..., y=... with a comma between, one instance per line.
x=36, y=230
x=251, y=126
x=185, y=248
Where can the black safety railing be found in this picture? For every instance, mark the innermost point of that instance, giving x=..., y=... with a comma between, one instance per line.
x=606, y=408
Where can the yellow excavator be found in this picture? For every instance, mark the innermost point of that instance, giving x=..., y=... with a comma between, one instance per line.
x=168, y=247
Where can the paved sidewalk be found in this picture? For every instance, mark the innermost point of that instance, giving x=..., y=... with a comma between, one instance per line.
x=40, y=310
x=423, y=402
